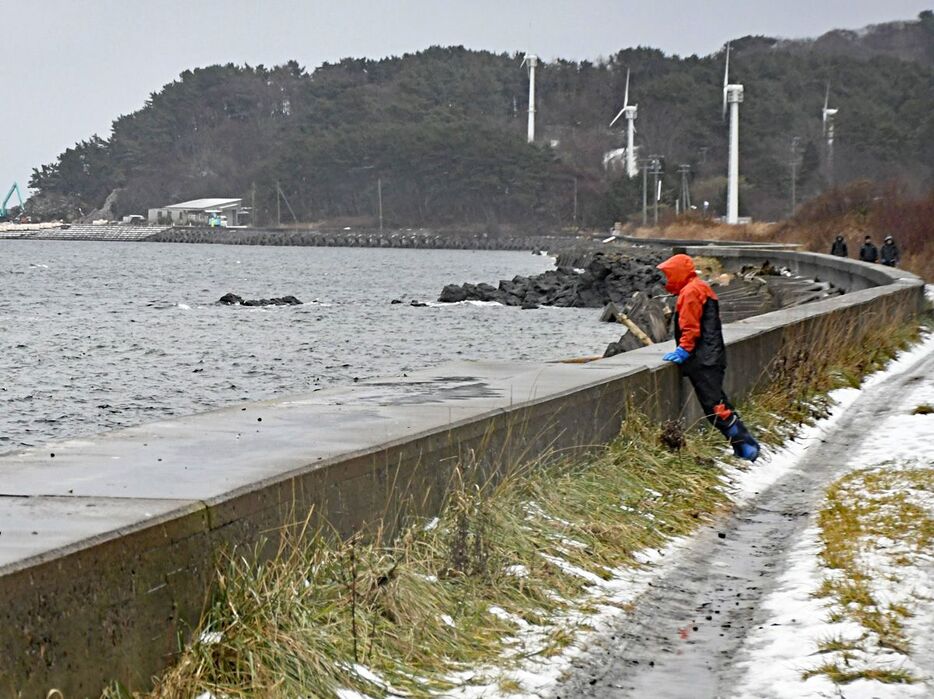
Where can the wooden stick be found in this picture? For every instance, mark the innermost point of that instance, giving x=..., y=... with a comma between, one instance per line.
x=634, y=329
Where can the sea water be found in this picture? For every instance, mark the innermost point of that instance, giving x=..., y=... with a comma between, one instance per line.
x=97, y=336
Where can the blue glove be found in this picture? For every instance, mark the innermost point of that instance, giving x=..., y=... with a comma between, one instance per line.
x=679, y=356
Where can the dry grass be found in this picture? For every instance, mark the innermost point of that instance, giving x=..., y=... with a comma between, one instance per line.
x=417, y=610
x=845, y=675
x=452, y=594
x=861, y=509
x=854, y=211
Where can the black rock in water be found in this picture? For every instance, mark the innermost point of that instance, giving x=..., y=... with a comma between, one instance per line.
x=452, y=293
x=234, y=300
x=607, y=276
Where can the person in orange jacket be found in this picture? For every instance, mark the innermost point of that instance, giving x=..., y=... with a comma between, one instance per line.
x=701, y=352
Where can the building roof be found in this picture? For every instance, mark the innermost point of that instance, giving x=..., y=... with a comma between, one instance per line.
x=204, y=204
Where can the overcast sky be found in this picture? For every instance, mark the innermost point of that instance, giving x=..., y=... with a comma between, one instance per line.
x=72, y=66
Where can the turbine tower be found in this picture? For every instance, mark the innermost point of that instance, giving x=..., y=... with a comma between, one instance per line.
x=827, y=115
x=531, y=60
x=630, y=112
x=732, y=96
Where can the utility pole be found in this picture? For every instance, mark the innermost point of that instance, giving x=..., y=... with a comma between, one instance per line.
x=379, y=195
x=253, y=205
x=794, y=174
x=656, y=171
x=280, y=193
x=645, y=184
x=575, y=201
x=685, y=170
x=278, y=206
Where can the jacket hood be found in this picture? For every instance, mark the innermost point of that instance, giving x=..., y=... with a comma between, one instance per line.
x=678, y=271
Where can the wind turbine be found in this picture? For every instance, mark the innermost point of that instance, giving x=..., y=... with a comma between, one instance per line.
x=732, y=96
x=630, y=113
x=827, y=115
x=531, y=60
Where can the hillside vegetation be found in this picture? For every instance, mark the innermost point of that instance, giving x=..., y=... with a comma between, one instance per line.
x=444, y=132
x=856, y=210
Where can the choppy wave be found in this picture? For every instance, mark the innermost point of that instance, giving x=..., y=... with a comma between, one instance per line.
x=91, y=347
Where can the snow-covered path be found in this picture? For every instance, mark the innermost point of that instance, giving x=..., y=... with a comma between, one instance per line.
x=706, y=627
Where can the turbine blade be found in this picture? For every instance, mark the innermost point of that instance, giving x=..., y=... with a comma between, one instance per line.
x=726, y=70
x=827, y=97
x=616, y=118
x=626, y=98
x=726, y=77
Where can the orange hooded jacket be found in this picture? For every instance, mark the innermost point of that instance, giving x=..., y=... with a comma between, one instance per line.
x=681, y=279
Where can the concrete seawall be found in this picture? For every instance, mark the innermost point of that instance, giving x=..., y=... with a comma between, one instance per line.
x=108, y=547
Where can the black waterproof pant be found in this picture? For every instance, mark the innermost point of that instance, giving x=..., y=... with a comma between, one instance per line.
x=708, y=386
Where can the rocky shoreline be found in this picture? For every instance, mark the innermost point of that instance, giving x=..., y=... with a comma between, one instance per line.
x=606, y=277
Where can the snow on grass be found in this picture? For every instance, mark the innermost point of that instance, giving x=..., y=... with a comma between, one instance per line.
x=870, y=631
x=785, y=650
x=605, y=601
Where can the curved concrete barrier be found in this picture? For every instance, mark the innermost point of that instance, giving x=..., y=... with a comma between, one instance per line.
x=850, y=275
x=108, y=548
x=708, y=242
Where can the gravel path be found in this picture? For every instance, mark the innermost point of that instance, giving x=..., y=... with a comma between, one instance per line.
x=687, y=636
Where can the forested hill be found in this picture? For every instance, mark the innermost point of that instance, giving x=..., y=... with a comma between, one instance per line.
x=444, y=131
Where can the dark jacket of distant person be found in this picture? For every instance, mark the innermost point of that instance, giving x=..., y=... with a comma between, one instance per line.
x=869, y=252
x=839, y=247
x=889, y=252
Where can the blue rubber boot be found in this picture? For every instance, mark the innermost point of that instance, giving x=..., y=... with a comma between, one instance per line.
x=744, y=444
x=748, y=449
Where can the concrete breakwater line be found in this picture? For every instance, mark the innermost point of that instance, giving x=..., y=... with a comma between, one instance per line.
x=302, y=237
x=126, y=524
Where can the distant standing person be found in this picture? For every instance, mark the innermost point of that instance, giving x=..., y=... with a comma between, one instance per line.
x=839, y=247
x=889, y=252
x=869, y=252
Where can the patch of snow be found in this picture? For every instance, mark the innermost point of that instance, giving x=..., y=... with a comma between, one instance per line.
x=800, y=617
x=787, y=645
x=532, y=509
x=573, y=569
x=210, y=638
x=344, y=693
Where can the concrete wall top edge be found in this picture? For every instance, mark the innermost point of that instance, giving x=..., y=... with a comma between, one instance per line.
x=876, y=273
x=215, y=457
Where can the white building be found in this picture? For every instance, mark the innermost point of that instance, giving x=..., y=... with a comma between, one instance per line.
x=200, y=212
